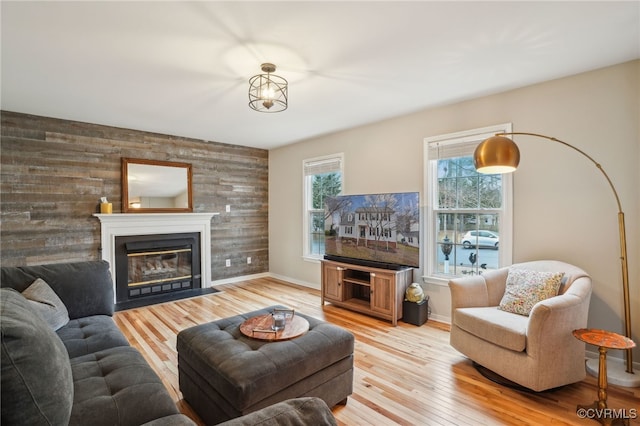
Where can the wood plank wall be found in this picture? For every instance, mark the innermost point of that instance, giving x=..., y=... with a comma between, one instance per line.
x=53, y=173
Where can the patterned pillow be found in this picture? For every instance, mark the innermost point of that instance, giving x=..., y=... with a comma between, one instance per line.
x=526, y=288
x=47, y=303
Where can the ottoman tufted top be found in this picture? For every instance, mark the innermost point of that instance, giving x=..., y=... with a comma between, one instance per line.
x=244, y=370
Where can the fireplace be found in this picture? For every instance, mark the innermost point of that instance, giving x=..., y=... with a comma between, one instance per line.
x=156, y=268
x=146, y=227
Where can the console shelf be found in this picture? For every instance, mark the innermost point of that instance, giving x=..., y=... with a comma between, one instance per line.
x=373, y=291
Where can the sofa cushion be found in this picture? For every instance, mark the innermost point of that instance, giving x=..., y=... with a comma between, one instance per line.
x=91, y=334
x=525, y=288
x=37, y=385
x=493, y=325
x=47, y=303
x=117, y=383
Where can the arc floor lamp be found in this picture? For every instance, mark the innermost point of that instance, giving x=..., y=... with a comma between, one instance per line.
x=499, y=154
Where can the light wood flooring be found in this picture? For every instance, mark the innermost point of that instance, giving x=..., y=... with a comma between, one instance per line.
x=404, y=375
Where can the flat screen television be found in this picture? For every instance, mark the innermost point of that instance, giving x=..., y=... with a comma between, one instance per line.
x=377, y=230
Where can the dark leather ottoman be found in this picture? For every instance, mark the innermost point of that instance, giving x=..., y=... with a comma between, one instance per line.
x=224, y=374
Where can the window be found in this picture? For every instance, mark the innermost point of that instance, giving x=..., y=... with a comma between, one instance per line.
x=322, y=179
x=469, y=215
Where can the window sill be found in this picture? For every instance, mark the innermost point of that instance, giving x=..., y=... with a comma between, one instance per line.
x=435, y=280
x=311, y=259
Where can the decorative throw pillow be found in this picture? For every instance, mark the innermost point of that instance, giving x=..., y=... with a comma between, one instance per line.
x=525, y=288
x=47, y=303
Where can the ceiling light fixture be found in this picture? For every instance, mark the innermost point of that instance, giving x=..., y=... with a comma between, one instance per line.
x=268, y=92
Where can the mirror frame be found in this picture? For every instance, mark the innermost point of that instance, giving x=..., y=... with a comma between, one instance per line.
x=125, y=186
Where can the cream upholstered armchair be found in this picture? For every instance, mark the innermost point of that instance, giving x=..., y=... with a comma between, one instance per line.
x=537, y=351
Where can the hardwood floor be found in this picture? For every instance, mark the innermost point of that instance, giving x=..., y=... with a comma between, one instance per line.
x=404, y=375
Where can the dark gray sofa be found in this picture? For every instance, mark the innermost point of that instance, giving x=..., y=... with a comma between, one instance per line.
x=83, y=373
x=86, y=373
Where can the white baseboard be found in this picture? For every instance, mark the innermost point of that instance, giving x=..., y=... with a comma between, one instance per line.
x=295, y=281
x=238, y=279
x=611, y=356
x=434, y=317
x=440, y=318
x=616, y=370
x=264, y=275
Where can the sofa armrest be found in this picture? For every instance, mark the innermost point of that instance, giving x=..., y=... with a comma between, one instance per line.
x=85, y=288
x=294, y=412
x=174, y=420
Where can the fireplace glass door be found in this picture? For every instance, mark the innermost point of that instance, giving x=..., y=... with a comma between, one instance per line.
x=165, y=269
x=155, y=266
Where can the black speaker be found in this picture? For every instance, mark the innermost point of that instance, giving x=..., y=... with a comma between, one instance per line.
x=415, y=313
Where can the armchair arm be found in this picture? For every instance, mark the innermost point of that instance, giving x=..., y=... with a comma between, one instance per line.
x=468, y=292
x=478, y=290
x=552, y=320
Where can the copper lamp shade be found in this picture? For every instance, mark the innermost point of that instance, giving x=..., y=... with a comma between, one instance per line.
x=496, y=154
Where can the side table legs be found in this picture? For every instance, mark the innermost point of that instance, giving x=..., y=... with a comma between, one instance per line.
x=598, y=410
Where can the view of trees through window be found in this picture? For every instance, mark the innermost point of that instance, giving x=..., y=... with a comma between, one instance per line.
x=322, y=186
x=467, y=217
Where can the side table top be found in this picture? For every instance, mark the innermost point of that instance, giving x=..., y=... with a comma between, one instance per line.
x=603, y=338
x=260, y=328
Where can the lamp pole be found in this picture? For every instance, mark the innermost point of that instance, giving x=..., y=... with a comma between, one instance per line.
x=623, y=239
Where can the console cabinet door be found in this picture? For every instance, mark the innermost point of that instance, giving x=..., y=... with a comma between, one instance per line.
x=332, y=288
x=382, y=293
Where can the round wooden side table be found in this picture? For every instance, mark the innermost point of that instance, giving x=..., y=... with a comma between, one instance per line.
x=604, y=340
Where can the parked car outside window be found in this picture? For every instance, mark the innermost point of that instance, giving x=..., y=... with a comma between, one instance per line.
x=481, y=239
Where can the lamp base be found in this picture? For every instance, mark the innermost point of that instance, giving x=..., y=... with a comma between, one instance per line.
x=616, y=374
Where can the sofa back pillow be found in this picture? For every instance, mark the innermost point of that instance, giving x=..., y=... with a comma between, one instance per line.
x=47, y=303
x=35, y=376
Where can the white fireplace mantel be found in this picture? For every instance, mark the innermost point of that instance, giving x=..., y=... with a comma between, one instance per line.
x=122, y=224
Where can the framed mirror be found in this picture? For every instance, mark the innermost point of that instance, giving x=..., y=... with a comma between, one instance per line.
x=152, y=186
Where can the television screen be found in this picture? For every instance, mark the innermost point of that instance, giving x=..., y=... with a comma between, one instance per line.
x=375, y=230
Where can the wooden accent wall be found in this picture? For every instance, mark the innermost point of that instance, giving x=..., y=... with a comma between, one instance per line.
x=55, y=171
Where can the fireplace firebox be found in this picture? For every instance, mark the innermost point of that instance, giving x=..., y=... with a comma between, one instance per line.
x=156, y=268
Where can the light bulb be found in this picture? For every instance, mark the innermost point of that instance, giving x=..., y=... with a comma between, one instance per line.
x=268, y=93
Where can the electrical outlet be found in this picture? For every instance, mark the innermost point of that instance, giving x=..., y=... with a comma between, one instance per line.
x=227, y=262
x=228, y=208
x=248, y=260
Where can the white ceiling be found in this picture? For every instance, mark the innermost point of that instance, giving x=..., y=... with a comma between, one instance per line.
x=182, y=68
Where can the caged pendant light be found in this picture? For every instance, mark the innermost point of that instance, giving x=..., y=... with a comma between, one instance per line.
x=268, y=92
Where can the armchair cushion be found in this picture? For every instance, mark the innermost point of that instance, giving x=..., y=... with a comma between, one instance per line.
x=493, y=325
x=525, y=288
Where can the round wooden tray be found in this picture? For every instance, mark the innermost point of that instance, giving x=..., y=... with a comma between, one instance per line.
x=260, y=328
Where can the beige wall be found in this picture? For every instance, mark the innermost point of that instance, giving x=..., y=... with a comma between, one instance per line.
x=563, y=208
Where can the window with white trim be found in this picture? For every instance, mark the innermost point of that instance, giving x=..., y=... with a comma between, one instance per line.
x=469, y=215
x=322, y=179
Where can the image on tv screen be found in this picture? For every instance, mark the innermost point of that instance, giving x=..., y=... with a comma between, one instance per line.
x=381, y=228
